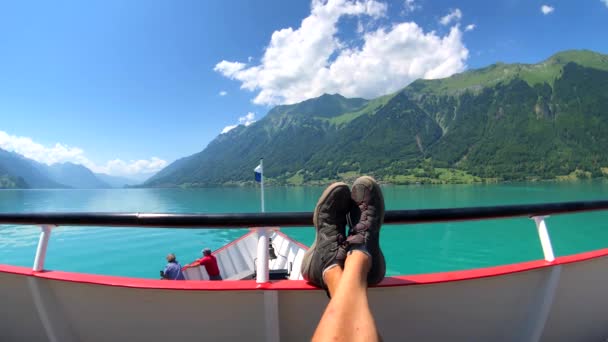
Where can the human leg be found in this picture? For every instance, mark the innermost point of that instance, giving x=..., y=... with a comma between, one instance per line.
x=347, y=316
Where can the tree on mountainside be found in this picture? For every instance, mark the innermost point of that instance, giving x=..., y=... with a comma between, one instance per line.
x=502, y=122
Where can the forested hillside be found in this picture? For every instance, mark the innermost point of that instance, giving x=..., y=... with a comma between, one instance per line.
x=504, y=122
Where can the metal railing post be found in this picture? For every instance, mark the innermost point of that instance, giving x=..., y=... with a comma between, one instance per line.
x=43, y=243
x=543, y=235
x=262, y=256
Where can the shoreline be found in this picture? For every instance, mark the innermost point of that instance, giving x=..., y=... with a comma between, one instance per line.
x=325, y=182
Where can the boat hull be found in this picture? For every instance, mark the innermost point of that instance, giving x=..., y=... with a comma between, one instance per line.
x=560, y=301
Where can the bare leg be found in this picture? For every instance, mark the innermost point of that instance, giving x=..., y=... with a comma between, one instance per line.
x=347, y=316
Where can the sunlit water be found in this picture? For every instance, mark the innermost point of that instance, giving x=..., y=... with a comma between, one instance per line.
x=409, y=249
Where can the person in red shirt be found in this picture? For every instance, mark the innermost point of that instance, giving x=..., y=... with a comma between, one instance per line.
x=210, y=263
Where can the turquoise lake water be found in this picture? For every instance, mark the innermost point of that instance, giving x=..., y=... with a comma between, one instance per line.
x=409, y=249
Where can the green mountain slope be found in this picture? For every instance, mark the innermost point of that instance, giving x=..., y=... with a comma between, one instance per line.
x=7, y=181
x=503, y=122
x=325, y=105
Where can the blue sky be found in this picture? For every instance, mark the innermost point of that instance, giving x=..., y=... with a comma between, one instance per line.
x=126, y=87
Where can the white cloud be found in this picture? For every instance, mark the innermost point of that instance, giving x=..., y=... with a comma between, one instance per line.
x=454, y=16
x=223, y=93
x=133, y=167
x=411, y=5
x=471, y=27
x=546, y=9
x=361, y=29
x=228, y=129
x=229, y=68
x=310, y=60
x=60, y=153
x=33, y=150
x=246, y=120
x=605, y=2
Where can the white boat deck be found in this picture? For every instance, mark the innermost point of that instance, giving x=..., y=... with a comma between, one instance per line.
x=236, y=260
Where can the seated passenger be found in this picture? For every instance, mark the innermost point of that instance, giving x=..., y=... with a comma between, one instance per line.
x=173, y=270
x=210, y=263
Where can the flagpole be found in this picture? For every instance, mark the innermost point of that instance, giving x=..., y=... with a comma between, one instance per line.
x=262, y=182
x=262, y=267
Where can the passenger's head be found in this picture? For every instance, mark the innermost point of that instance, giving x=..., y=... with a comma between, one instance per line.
x=206, y=251
x=170, y=257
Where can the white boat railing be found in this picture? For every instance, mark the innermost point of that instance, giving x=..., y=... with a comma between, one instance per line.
x=43, y=244
x=543, y=235
x=48, y=221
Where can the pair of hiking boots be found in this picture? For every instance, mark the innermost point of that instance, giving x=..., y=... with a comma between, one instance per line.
x=362, y=207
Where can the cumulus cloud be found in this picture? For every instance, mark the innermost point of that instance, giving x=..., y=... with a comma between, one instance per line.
x=471, y=27
x=605, y=2
x=246, y=120
x=133, y=167
x=546, y=9
x=454, y=16
x=310, y=60
x=223, y=93
x=60, y=153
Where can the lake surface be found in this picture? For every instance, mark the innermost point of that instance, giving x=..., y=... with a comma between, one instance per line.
x=409, y=249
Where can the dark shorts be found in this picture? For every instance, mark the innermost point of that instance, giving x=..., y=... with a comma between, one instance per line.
x=217, y=277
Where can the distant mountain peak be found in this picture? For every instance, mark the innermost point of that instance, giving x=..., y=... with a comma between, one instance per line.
x=546, y=71
x=586, y=58
x=326, y=105
x=21, y=172
x=328, y=95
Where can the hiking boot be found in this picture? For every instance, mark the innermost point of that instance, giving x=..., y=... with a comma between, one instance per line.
x=367, y=215
x=330, y=223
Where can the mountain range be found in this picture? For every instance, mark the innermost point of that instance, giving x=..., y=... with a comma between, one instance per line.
x=19, y=172
x=504, y=122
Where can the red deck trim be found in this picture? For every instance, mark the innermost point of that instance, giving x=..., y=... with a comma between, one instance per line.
x=16, y=270
x=243, y=285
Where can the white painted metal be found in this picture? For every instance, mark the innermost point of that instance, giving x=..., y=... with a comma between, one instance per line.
x=262, y=266
x=50, y=314
x=543, y=235
x=271, y=314
x=262, y=249
x=262, y=183
x=540, y=306
x=480, y=309
x=43, y=243
x=237, y=260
